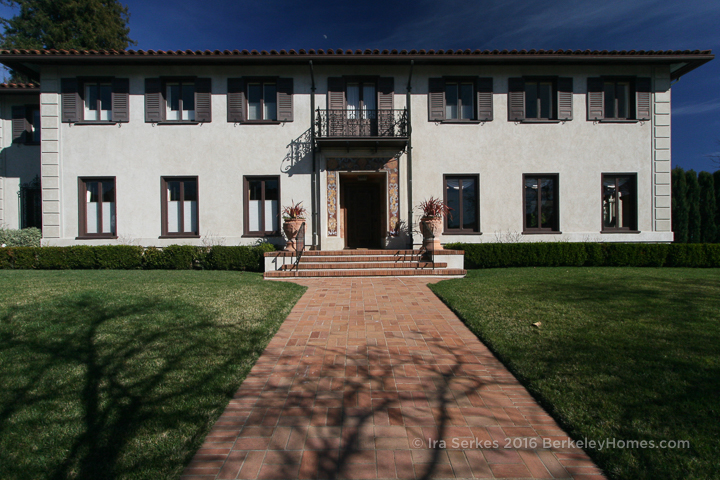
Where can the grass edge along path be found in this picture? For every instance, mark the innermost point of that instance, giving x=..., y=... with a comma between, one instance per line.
x=625, y=353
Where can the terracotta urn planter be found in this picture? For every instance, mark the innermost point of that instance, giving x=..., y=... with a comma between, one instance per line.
x=291, y=227
x=431, y=230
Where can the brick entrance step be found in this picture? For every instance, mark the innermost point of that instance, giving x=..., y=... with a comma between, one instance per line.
x=363, y=263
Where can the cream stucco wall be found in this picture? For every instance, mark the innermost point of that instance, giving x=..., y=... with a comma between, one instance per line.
x=220, y=153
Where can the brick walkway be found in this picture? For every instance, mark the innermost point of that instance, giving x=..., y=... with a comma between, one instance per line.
x=361, y=377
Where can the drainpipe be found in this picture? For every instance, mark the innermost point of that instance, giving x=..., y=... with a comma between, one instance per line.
x=408, y=102
x=315, y=174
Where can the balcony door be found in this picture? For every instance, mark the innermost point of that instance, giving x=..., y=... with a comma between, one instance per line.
x=361, y=108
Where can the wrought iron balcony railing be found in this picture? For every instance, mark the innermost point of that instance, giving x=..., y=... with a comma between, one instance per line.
x=352, y=123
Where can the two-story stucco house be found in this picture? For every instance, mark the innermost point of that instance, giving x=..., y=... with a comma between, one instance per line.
x=163, y=147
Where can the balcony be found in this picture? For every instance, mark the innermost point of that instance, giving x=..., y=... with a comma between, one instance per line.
x=361, y=128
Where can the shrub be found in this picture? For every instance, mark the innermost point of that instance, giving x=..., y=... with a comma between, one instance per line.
x=80, y=257
x=238, y=258
x=152, y=259
x=180, y=257
x=27, y=237
x=52, y=258
x=123, y=257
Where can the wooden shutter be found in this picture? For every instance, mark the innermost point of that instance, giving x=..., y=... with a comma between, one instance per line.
x=484, y=94
x=385, y=93
x=236, y=100
x=121, y=100
x=516, y=99
x=20, y=125
x=153, y=100
x=71, y=103
x=203, y=100
x=336, y=93
x=285, y=99
x=565, y=98
x=595, y=99
x=643, y=99
x=436, y=100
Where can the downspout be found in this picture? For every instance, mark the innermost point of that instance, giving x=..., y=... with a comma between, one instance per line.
x=408, y=103
x=315, y=200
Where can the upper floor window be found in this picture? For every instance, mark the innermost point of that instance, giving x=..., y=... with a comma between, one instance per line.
x=618, y=99
x=460, y=99
x=262, y=101
x=361, y=100
x=537, y=99
x=98, y=102
x=26, y=124
x=619, y=202
x=541, y=204
x=178, y=100
x=95, y=100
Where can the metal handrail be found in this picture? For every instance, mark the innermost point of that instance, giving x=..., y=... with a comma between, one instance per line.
x=299, y=246
x=347, y=122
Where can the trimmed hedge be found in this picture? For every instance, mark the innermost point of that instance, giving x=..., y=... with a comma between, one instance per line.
x=548, y=254
x=127, y=257
x=27, y=237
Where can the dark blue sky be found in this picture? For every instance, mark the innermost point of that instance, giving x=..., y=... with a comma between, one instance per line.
x=567, y=24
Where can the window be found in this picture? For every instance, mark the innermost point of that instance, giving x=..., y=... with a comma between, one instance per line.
x=541, y=204
x=540, y=99
x=180, y=101
x=26, y=124
x=180, y=207
x=361, y=100
x=619, y=202
x=461, y=195
x=262, y=208
x=262, y=101
x=98, y=102
x=97, y=208
x=460, y=99
x=618, y=99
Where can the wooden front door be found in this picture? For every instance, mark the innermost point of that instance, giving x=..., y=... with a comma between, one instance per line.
x=363, y=214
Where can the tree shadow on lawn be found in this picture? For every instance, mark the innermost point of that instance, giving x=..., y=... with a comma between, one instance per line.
x=629, y=358
x=98, y=388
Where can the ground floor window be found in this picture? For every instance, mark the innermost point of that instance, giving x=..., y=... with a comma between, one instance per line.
x=180, y=207
x=97, y=207
x=462, y=196
x=541, y=203
x=262, y=207
x=619, y=202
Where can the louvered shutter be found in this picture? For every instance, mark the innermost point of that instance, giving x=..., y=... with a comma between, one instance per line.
x=203, y=100
x=385, y=96
x=71, y=103
x=643, y=100
x=236, y=100
x=595, y=99
x=336, y=107
x=153, y=100
x=484, y=93
x=516, y=99
x=565, y=98
x=121, y=100
x=19, y=124
x=436, y=100
x=285, y=99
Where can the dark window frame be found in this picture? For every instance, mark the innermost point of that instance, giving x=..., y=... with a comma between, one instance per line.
x=262, y=81
x=468, y=79
x=81, y=82
x=164, y=206
x=164, y=81
x=554, y=229
x=553, y=80
x=631, y=106
x=246, y=207
x=633, y=228
x=461, y=230
x=361, y=81
x=82, y=207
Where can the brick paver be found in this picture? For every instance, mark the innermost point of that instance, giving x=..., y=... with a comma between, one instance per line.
x=363, y=379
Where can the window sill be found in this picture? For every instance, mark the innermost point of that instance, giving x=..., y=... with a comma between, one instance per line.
x=177, y=122
x=617, y=120
x=620, y=231
x=261, y=235
x=90, y=122
x=450, y=233
x=541, y=232
x=179, y=236
x=462, y=122
x=542, y=120
x=96, y=237
x=261, y=122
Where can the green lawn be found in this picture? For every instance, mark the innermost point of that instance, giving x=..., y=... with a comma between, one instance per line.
x=120, y=374
x=625, y=353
